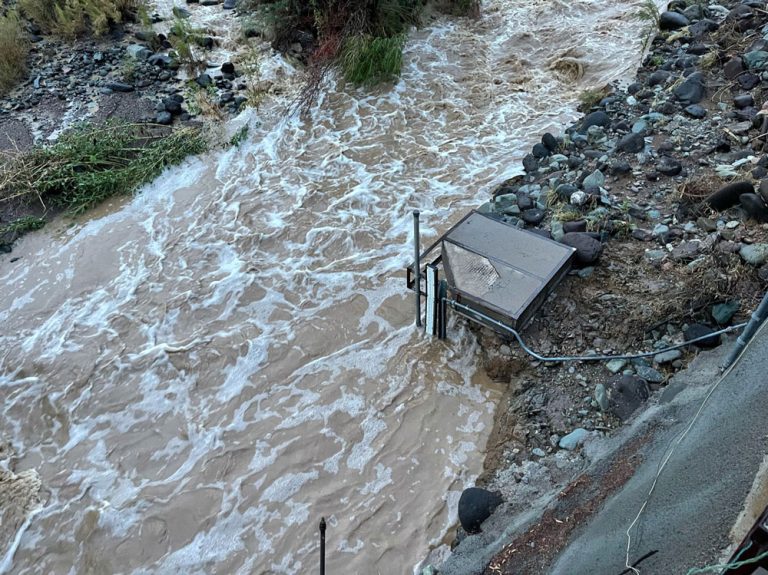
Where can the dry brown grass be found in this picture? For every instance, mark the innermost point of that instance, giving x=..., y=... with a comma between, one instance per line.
x=14, y=48
x=73, y=18
x=695, y=190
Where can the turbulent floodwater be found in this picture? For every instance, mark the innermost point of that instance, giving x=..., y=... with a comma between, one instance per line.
x=198, y=375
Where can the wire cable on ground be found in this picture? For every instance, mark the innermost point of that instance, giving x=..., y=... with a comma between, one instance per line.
x=677, y=442
x=468, y=310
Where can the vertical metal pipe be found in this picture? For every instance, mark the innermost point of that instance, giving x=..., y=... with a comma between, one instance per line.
x=755, y=321
x=417, y=266
x=322, y=546
x=442, y=294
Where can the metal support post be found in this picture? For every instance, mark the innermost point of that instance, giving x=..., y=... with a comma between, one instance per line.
x=417, y=266
x=322, y=546
x=442, y=307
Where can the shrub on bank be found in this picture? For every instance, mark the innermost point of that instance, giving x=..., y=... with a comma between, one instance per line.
x=363, y=37
x=14, y=48
x=73, y=18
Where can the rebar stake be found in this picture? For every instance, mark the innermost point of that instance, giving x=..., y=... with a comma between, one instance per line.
x=417, y=266
x=322, y=546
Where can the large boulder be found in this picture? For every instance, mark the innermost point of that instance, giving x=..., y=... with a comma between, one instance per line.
x=588, y=249
x=475, y=506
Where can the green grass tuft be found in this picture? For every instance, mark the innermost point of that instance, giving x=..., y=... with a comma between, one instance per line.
x=92, y=163
x=371, y=59
x=14, y=48
x=23, y=225
x=239, y=137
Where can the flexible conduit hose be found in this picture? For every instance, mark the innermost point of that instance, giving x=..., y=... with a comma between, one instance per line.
x=468, y=310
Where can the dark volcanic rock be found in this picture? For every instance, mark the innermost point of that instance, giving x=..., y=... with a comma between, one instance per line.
x=533, y=216
x=698, y=29
x=700, y=330
x=161, y=61
x=685, y=251
x=565, y=191
x=475, y=506
x=763, y=190
x=620, y=167
x=172, y=106
x=692, y=90
x=695, y=111
x=530, y=164
x=743, y=101
x=669, y=166
x=632, y=143
x=540, y=151
x=747, y=81
x=728, y=196
x=733, y=67
x=625, y=394
x=659, y=77
x=549, y=141
x=575, y=226
x=672, y=21
x=204, y=80
x=227, y=68
x=598, y=118
x=642, y=235
x=119, y=87
x=588, y=249
x=754, y=206
x=524, y=201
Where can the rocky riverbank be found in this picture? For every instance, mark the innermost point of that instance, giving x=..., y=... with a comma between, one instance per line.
x=662, y=188
x=135, y=74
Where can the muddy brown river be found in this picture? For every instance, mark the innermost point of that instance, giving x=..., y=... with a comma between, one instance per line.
x=194, y=377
